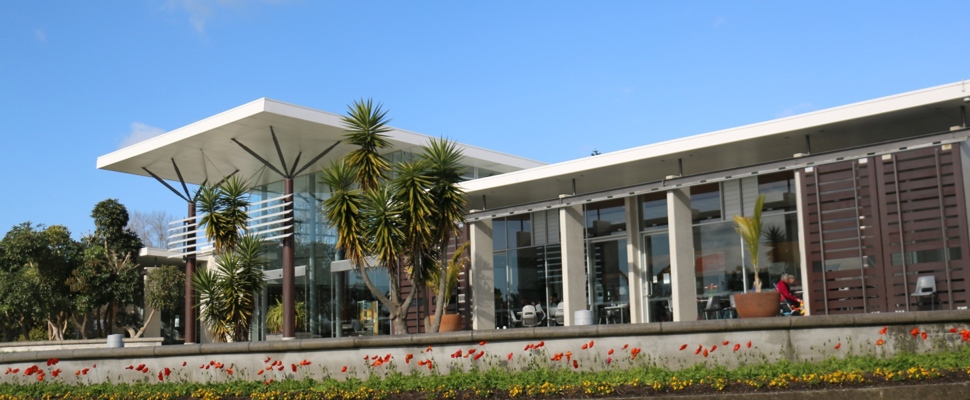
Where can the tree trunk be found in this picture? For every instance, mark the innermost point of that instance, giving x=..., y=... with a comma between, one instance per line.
x=137, y=334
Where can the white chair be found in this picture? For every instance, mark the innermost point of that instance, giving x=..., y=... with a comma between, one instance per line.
x=925, y=286
x=514, y=320
x=540, y=314
x=560, y=314
x=529, y=317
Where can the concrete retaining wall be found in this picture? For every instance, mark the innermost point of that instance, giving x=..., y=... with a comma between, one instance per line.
x=771, y=339
x=12, y=347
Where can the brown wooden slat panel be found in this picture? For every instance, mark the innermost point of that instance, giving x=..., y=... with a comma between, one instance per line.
x=838, y=186
x=841, y=235
x=829, y=225
x=831, y=173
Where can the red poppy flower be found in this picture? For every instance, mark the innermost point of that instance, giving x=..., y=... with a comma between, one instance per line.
x=56, y=372
x=591, y=344
x=344, y=369
x=683, y=346
x=160, y=377
x=575, y=364
x=609, y=360
x=610, y=353
x=293, y=367
x=725, y=343
x=77, y=373
x=705, y=353
x=167, y=371
x=838, y=346
x=923, y=334
x=585, y=346
x=749, y=344
x=183, y=363
x=713, y=348
x=482, y=343
x=260, y=372
x=479, y=355
x=625, y=346
x=914, y=332
x=737, y=347
x=953, y=330
x=541, y=343
x=883, y=330
x=84, y=371
x=428, y=349
x=880, y=342
x=509, y=357
x=40, y=378
x=266, y=360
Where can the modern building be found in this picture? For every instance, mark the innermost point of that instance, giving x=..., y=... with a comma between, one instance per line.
x=862, y=202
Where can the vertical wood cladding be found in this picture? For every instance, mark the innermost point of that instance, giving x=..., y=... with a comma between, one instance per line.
x=873, y=225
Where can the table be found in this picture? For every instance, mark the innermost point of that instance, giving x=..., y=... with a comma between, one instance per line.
x=616, y=309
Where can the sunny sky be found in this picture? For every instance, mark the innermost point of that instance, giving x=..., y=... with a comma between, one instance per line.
x=546, y=80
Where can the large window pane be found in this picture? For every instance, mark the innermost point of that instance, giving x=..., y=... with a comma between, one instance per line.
x=605, y=218
x=705, y=202
x=779, y=191
x=609, y=286
x=653, y=210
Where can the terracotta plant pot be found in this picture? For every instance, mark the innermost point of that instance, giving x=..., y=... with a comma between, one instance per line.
x=757, y=305
x=449, y=323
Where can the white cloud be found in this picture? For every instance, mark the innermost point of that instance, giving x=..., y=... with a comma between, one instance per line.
x=140, y=132
x=719, y=22
x=795, y=109
x=201, y=11
x=41, y=35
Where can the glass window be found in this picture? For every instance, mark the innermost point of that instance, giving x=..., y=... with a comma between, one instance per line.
x=499, y=234
x=519, y=230
x=779, y=191
x=609, y=283
x=705, y=202
x=653, y=210
x=605, y=218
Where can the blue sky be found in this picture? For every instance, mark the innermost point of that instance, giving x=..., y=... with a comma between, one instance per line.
x=547, y=80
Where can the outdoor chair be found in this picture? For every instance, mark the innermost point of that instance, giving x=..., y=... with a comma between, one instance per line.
x=514, y=320
x=925, y=286
x=529, y=317
x=713, y=307
x=560, y=314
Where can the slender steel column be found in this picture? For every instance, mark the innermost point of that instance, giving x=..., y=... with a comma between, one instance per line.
x=289, y=325
x=190, y=334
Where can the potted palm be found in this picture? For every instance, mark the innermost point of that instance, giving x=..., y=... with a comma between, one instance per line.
x=754, y=304
x=449, y=322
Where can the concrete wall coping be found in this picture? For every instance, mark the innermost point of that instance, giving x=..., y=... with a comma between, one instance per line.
x=520, y=334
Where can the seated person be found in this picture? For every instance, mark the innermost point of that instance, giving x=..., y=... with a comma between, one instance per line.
x=784, y=292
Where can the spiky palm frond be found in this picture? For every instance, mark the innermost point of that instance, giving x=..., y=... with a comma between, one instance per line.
x=442, y=159
x=343, y=210
x=750, y=230
x=383, y=226
x=234, y=200
x=412, y=189
x=365, y=125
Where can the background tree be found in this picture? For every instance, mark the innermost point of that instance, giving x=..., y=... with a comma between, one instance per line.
x=37, y=264
x=151, y=227
x=164, y=291
x=110, y=277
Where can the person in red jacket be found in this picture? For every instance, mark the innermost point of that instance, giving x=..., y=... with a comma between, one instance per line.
x=784, y=291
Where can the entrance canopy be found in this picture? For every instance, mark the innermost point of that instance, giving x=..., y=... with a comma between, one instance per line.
x=206, y=150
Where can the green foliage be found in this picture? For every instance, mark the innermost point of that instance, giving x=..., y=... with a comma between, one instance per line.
x=165, y=288
x=223, y=209
x=458, y=262
x=227, y=294
x=750, y=230
x=274, y=317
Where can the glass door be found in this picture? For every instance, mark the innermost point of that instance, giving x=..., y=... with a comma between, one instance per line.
x=656, y=259
x=609, y=287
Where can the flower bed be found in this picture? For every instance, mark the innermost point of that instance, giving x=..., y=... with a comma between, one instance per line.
x=536, y=371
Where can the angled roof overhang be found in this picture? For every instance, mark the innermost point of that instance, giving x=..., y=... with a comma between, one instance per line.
x=205, y=150
x=908, y=115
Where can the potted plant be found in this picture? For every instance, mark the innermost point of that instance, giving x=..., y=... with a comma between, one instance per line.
x=449, y=322
x=758, y=303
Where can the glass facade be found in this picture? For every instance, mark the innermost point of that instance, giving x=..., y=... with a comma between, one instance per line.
x=528, y=268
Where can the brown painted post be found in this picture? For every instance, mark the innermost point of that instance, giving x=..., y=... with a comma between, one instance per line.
x=289, y=325
x=189, y=288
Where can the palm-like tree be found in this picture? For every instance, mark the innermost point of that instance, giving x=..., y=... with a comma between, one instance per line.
x=402, y=223
x=224, y=209
x=227, y=295
x=442, y=159
x=750, y=230
x=365, y=125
